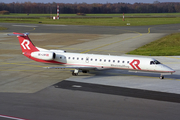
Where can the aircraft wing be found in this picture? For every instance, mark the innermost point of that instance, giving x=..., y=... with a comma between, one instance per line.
x=73, y=67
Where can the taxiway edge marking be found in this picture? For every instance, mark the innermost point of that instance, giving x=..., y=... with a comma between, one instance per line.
x=10, y=117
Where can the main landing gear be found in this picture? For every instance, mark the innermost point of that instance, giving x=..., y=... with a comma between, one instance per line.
x=85, y=71
x=76, y=71
x=74, y=74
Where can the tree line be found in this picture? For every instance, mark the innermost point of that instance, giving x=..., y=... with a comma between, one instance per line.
x=51, y=8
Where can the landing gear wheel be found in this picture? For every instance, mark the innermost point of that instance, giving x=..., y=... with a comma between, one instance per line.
x=161, y=77
x=74, y=74
x=84, y=71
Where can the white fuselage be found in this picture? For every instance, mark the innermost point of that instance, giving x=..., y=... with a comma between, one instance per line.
x=111, y=62
x=86, y=62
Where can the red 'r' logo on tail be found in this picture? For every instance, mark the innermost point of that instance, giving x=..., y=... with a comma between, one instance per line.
x=135, y=64
x=25, y=44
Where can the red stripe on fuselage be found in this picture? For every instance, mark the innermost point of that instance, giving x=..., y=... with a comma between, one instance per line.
x=105, y=67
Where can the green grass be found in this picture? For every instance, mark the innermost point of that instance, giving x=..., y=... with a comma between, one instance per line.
x=3, y=28
x=96, y=21
x=114, y=20
x=24, y=15
x=97, y=15
x=166, y=46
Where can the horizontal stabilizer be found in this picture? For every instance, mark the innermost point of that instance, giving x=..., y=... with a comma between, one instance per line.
x=18, y=34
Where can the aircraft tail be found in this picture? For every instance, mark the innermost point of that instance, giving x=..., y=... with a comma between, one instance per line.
x=32, y=52
x=26, y=44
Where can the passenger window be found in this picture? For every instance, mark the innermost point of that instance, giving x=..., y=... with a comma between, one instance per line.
x=77, y=58
x=81, y=58
x=73, y=58
x=91, y=59
x=60, y=57
x=127, y=61
x=105, y=60
x=122, y=61
x=95, y=59
x=69, y=57
x=113, y=60
x=109, y=60
x=118, y=61
x=100, y=60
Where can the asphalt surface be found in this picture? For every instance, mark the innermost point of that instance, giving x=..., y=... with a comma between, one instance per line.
x=122, y=91
x=67, y=100
x=41, y=28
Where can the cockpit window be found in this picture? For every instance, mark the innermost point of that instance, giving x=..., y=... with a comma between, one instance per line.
x=157, y=62
x=154, y=62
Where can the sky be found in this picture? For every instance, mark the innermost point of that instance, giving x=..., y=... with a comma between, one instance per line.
x=89, y=1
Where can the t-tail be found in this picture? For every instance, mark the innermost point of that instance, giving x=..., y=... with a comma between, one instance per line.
x=31, y=51
x=26, y=45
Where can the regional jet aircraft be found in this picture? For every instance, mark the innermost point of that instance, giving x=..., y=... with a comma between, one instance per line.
x=86, y=62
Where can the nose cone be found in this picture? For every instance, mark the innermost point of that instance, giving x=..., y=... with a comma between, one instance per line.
x=167, y=69
x=171, y=70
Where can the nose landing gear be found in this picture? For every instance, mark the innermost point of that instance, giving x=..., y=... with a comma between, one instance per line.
x=161, y=77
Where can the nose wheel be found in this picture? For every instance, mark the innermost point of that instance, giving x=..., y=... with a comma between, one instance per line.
x=161, y=77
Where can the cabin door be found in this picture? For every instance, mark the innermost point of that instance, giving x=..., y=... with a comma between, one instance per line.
x=87, y=59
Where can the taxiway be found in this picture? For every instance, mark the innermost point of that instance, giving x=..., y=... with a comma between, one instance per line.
x=29, y=91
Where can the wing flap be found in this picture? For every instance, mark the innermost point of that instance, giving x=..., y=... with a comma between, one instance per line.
x=72, y=67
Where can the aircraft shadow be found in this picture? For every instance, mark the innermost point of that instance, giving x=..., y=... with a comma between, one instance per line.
x=106, y=73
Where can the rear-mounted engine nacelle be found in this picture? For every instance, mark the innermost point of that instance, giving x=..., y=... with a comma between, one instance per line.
x=44, y=55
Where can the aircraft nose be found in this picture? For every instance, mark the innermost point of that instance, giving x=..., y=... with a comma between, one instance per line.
x=172, y=71
x=168, y=69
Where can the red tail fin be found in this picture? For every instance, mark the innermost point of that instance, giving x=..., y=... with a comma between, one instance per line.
x=26, y=45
